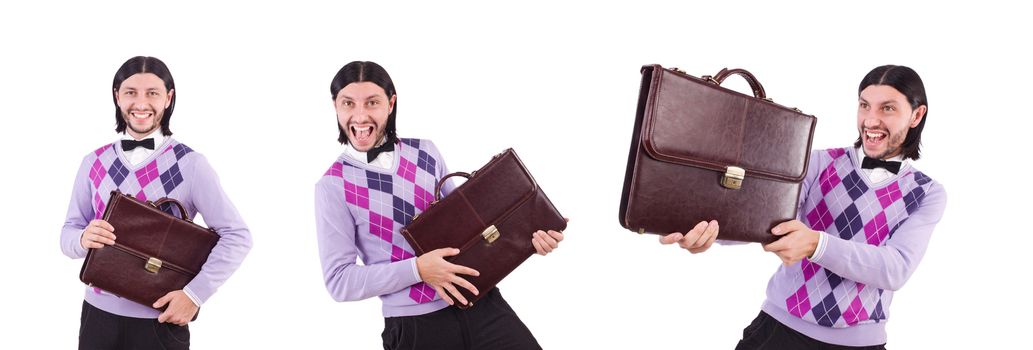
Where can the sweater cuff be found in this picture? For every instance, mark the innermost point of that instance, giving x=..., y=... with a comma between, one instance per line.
x=416, y=271
x=823, y=241
x=193, y=298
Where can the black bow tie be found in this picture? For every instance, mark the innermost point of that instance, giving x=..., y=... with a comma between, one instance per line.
x=869, y=163
x=373, y=153
x=129, y=145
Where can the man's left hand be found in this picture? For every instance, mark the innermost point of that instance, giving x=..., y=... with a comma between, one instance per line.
x=180, y=308
x=545, y=242
x=797, y=242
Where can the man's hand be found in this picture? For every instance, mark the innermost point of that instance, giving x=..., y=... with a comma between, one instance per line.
x=545, y=242
x=697, y=240
x=443, y=275
x=97, y=234
x=180, y=308
x=797, y=242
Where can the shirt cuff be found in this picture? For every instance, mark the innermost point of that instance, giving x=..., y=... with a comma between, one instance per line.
x=190, y=294
x=416, y=271
x=78, y=247
x=823, y=241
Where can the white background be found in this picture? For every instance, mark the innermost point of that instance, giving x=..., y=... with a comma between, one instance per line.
x=558, y=83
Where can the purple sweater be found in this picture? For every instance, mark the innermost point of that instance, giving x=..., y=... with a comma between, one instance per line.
x=360, y=211
x=876, y=234
x=174, y=171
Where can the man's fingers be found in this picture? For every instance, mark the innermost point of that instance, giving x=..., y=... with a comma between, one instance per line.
x=455, y=293
x=460, y=269
x=444, y=296
x=558, y=236
x=447, y=251
x=163, y=300
x=787, y=227
x=462, y=282
x=164, y=316
x=537, y=246
x=671, y=238
x=102, y=224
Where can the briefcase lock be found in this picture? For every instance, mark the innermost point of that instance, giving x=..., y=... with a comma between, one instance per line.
x=733, y=177
x=490, y=234
x=153, y=265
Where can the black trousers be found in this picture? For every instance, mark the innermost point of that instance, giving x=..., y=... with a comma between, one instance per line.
x=99, y=329
x=766, y=333
x=489, y=324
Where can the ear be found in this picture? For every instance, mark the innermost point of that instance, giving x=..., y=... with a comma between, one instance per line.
x=917, y=115
x=168, y=101
x=392, y=106
x=115, y=93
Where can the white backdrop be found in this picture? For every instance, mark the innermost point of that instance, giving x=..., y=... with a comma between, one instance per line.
x=558, y=83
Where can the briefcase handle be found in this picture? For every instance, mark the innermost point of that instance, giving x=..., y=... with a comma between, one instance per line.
x=758, y=90
x=437, y=189
x=163, y=200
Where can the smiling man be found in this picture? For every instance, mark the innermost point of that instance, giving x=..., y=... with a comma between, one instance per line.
x=147, y=163
x=866, y=217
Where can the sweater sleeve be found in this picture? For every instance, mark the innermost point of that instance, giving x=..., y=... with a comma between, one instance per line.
x=442, y=170
x=888, y=266
x=80, y=211
x=208, y=197
x=336, y=235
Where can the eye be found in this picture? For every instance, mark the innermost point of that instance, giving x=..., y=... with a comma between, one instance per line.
x=152, y=93
x=347, y=103
x=374, y=103
x=888, y=109
x=130, y=92
x=863, y=105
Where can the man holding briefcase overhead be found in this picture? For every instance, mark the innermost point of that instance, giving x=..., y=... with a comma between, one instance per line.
x=371, y=191
x=865, y=219
x=148, y=164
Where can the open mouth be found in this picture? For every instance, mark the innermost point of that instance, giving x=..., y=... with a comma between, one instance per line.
x=874, y=137
x=141, y=114
x=362, y=133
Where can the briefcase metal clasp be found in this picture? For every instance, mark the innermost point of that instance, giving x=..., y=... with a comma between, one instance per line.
x=733, y=177
x=490, y=234
x=153, y=265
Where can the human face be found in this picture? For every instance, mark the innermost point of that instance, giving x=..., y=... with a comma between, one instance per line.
x=142, y=98
x=884, y=117
x=362, y=111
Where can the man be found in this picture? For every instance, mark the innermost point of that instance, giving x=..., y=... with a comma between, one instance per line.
x=866, y=216
x=375, y=187
x=149, y=164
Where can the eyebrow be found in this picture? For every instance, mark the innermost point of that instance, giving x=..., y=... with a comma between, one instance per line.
x=887, y=102
x=367, y=98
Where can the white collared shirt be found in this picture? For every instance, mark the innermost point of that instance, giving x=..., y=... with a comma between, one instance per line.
x=384, y=160
x=878, y=175
x=139, y=154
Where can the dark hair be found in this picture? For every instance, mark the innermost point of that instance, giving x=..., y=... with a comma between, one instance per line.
x=144, y=64
x=908, y=83
x=365, y=71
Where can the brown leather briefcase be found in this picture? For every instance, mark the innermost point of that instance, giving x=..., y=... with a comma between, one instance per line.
x=155, y=253
x=490, y=218
x=702, y=152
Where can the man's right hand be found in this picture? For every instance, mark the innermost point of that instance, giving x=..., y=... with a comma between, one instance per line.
x=97, y=234
x=697, y=240
x=443, y=275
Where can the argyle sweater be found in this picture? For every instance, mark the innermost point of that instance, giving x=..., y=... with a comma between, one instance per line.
x=360, y=211
x=174, y=171
x=876, y=234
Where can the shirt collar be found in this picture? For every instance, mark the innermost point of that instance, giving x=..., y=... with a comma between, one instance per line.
x=158, y=137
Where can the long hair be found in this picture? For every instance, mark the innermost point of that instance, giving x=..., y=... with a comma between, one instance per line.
x=144, y=64
x=908, y=83
x=365, y=71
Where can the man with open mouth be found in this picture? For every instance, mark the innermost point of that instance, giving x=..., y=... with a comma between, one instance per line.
x=374, y=188
x=866, y=217
x=148, y=163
